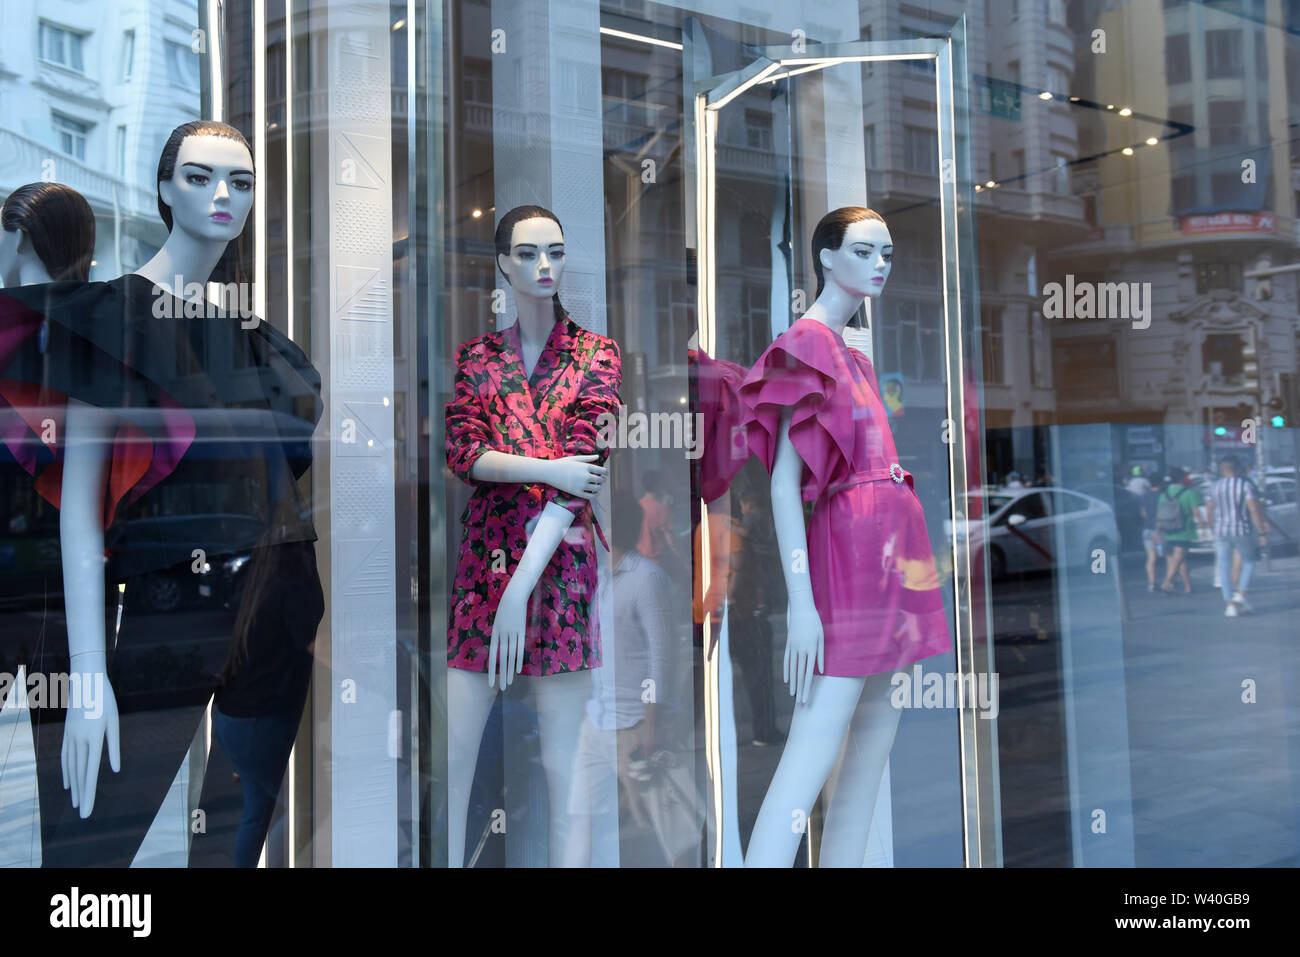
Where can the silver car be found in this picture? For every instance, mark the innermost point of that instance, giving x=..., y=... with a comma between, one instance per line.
x=1036, y=529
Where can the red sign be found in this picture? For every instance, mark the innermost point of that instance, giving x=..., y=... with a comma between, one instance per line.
x=1230, y=223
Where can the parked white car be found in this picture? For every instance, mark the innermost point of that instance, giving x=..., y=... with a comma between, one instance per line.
x=1279, y=499
x=1035, y=529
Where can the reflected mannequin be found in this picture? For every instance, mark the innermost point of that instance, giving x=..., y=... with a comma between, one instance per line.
x=165, y=403
x=48, y=235
x=522, y=430
x=863, y=596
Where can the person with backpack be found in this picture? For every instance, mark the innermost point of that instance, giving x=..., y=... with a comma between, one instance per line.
x=1238, y=521
x=1148, y=502
x=1179, y=511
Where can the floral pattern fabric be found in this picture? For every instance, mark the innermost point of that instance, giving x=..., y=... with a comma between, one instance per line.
x=550, y=414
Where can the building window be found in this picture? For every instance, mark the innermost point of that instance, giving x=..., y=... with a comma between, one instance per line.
x=1085, y=370
x=1061, y=177
x=1183, y=190
x=71, y=135
x=476, y=81
x=128, y=55
x=1261, y=56
x=1227, y=123
x=182, y=65
x=1182, y=115
x=920, y=151
x=911, y=344
x=758, y=305
x=756, y=240
x=121, y=152
x=1036, y=340
x=1218, y=276
x=625, y=97
x=1178, y=58
x=1090, y=210
x=921, y=265
x=61, y=46
x=1226, y=190
x=758, y=130
x=994, y=346
x=869, y=146
x=1221, y=358
x=1018, y=167
x=1222, y=54
x=1058, y=81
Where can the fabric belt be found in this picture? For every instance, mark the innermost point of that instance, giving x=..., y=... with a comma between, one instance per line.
x=891, y=473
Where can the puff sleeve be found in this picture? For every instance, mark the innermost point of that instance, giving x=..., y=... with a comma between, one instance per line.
x=468, y=431
x=43, y=364
x=800, y=371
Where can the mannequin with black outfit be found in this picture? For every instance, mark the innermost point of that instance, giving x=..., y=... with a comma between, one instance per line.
x=183, y=432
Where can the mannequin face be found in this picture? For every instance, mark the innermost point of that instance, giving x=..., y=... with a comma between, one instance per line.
x=536, y=260
x=211, y=190
x=862, y=263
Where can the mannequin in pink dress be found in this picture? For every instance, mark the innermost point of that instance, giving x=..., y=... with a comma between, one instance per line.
x=864, y=599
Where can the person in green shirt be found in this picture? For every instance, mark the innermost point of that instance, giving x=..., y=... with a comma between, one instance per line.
x=1178, y=528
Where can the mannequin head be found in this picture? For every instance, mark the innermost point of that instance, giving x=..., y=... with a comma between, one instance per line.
x=47, y=224
x=205, y=187
x=530, y=254
x=853, y=246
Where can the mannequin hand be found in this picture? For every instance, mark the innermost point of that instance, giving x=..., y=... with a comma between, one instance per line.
x=86, y=728
x=805, y=645
x=577, y=475
x=506, y=653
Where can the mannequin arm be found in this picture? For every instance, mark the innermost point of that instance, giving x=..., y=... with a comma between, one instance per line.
x=494, y=466
x=87, y=435
x=576, y=475
x=470, y=437
x=804, y=639
x=511, y=619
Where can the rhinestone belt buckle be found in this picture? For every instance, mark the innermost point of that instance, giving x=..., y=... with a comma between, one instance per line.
x=896, y=473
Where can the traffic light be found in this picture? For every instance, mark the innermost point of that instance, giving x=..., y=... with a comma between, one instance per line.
x=1282, y=403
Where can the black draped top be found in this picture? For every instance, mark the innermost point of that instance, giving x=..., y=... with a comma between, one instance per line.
x=215, y=415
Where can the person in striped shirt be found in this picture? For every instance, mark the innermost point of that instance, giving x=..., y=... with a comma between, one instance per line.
x=1238, y=522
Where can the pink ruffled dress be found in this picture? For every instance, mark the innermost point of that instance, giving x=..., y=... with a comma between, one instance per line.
x=869, y=555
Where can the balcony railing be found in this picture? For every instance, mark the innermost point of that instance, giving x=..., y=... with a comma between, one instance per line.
x=22, y=161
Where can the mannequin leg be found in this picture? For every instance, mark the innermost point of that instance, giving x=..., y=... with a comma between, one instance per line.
x=561, y=704
x=851, y=796
x=469, y=702
x=817, y=732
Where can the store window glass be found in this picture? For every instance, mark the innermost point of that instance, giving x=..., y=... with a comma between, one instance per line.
x=564, y=374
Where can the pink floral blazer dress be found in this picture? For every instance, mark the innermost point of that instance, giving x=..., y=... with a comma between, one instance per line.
x=551, y=414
